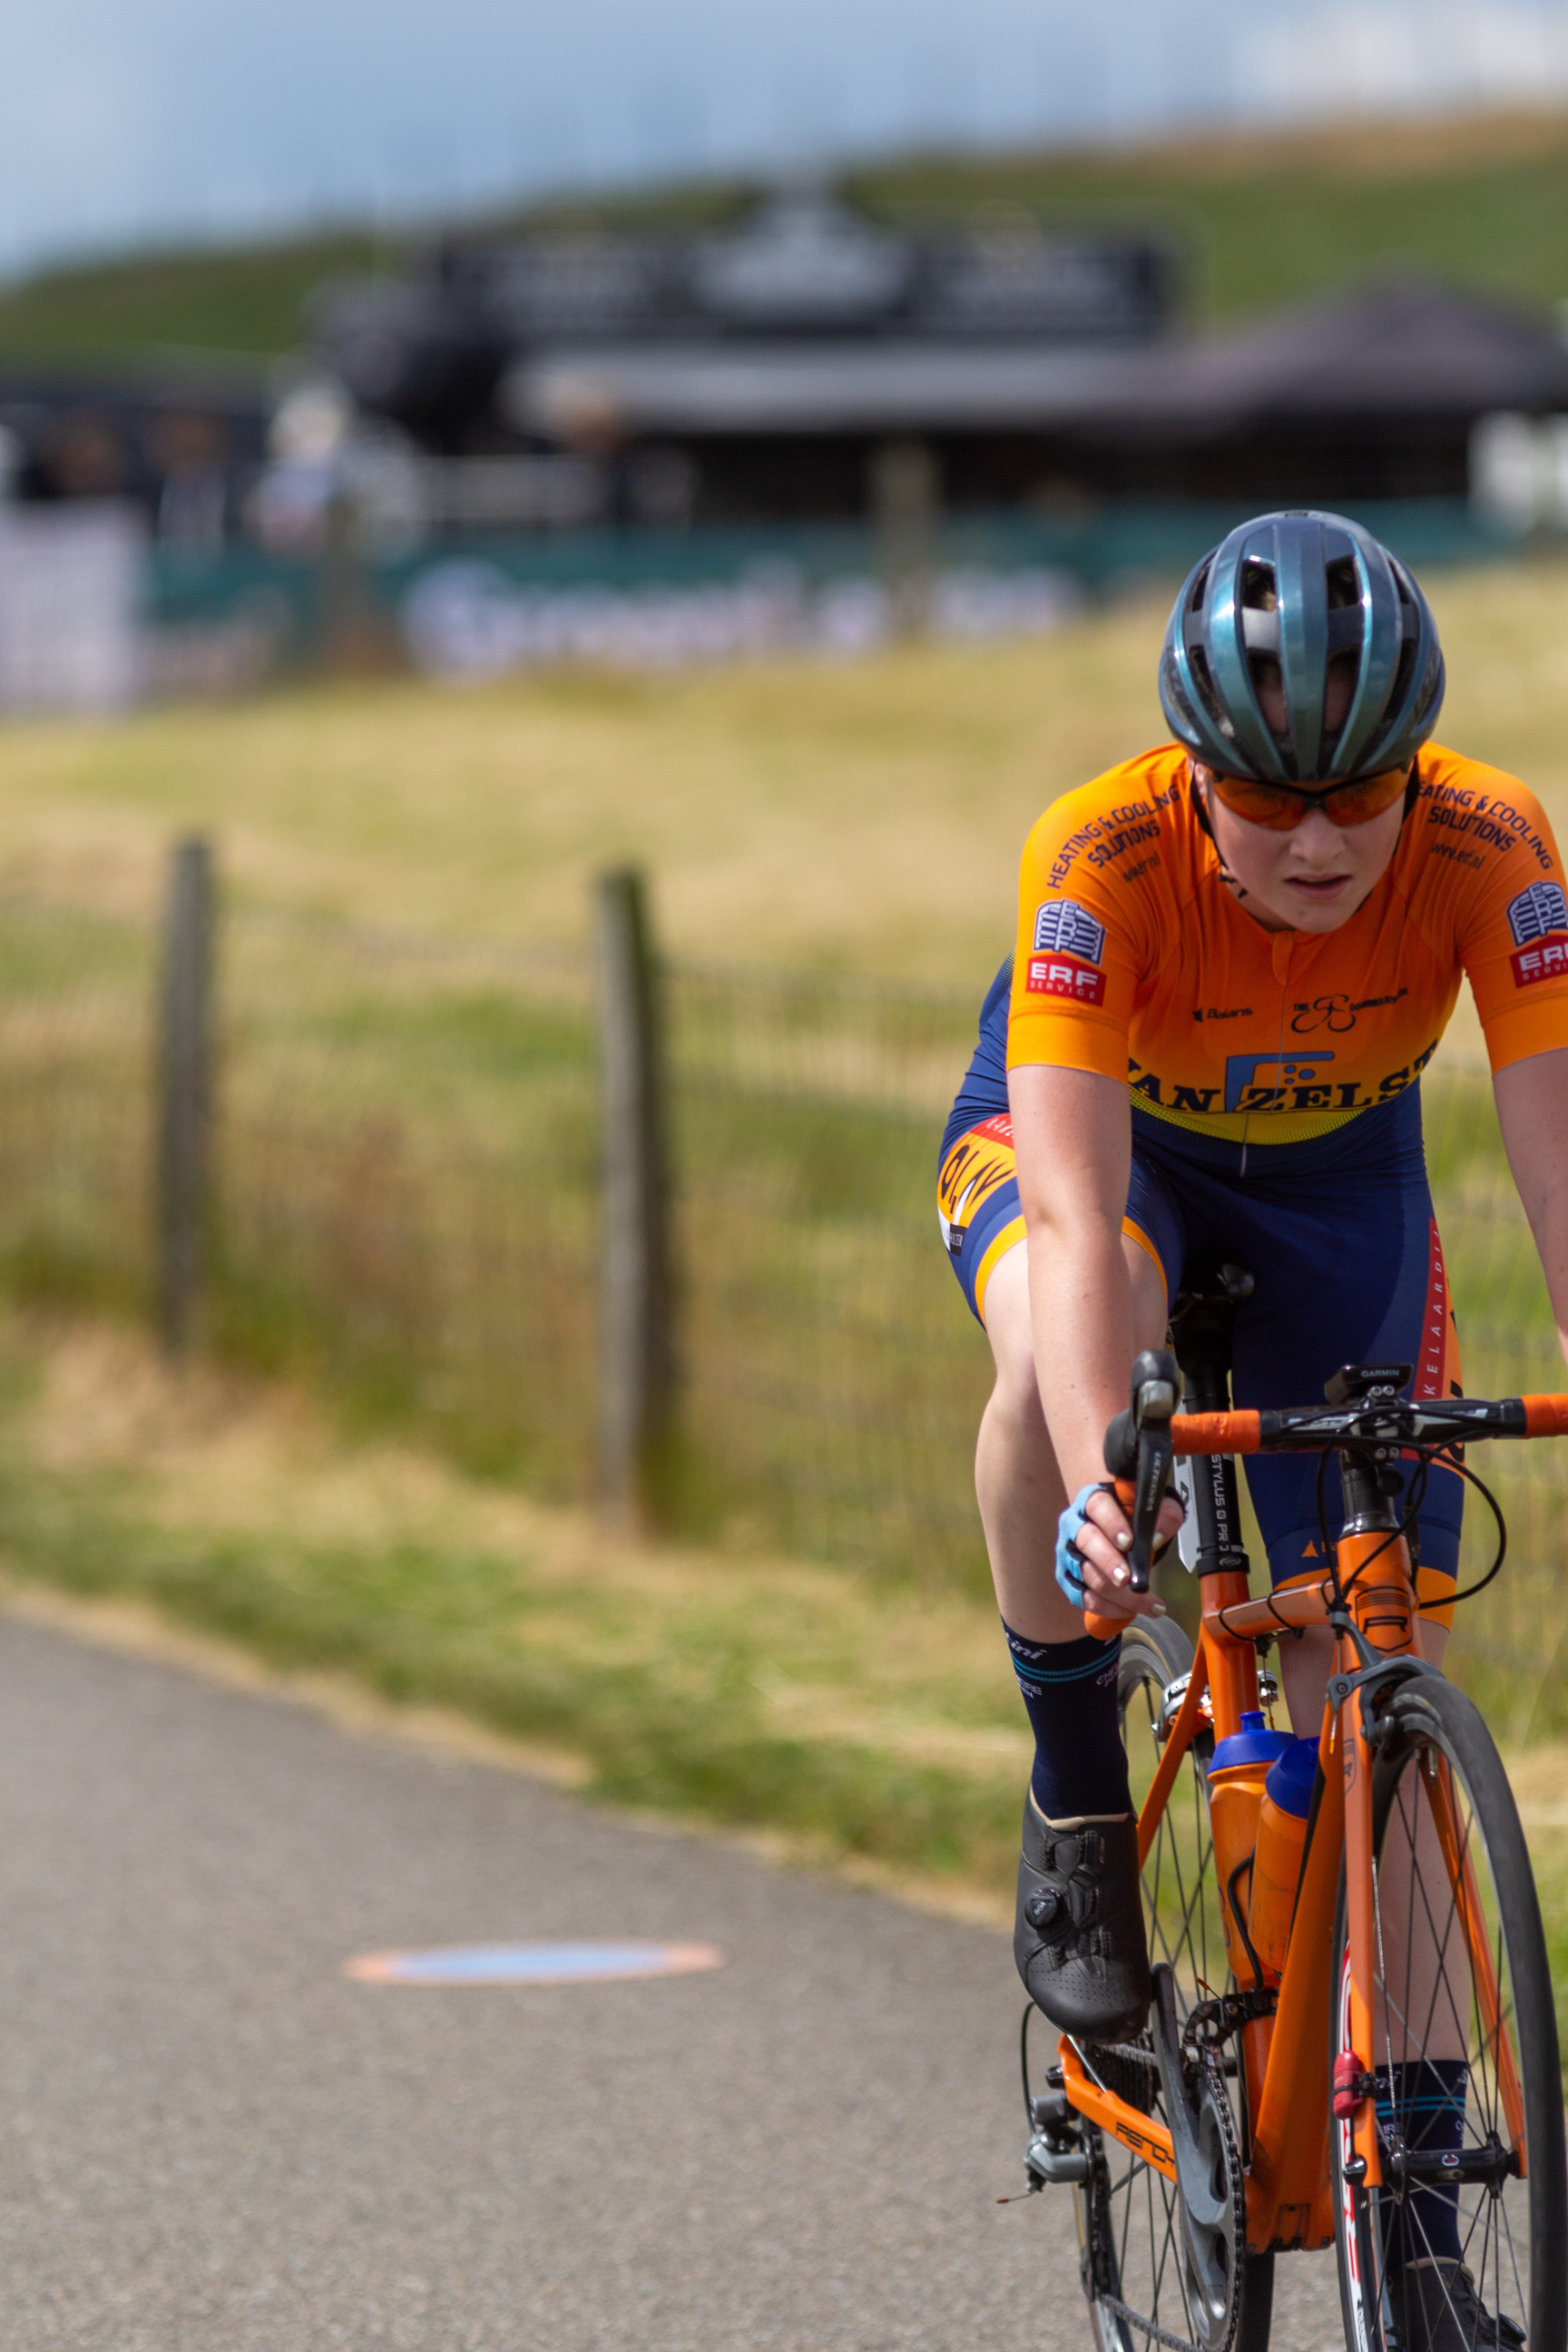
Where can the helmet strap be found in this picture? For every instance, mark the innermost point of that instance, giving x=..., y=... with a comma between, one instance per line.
x=1412, y=792
x=1202, y=814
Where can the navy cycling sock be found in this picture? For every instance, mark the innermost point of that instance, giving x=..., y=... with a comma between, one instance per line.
x=1069, y=1695
x=1423, y=2099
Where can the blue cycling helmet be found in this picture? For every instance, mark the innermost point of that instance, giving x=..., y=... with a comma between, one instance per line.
x=1300, y=592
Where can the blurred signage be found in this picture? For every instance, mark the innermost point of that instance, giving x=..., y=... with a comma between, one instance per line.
x=72, y=586
x=1519, y=471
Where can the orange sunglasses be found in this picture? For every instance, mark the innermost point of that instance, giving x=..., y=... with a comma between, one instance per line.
x=1281, y=807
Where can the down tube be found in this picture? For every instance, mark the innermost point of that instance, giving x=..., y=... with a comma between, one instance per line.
x=1288, y=2194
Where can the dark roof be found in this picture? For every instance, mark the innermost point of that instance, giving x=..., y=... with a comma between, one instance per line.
x=1391, y=347
x=1387, y=350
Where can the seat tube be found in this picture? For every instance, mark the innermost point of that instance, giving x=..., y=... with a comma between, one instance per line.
x=1222, y=1569
x=1221, y=1565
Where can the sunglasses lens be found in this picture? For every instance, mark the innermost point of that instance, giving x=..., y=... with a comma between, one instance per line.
x=1282, y=810
x=1268, y=804
x=1368, y=797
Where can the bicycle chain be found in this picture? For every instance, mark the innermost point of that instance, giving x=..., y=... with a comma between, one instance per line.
x=1213, y=2072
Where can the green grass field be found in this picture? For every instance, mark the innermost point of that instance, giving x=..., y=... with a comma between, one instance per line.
x=1259, y=219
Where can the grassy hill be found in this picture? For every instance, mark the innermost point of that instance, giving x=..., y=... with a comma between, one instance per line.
x=1261, y=218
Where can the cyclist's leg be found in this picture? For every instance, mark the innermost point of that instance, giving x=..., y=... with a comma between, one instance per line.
x=1018, y=1482
x=1078, y=1940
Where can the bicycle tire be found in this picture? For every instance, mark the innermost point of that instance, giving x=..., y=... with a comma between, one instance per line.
x=1391, y=2247
x=1128, y=2223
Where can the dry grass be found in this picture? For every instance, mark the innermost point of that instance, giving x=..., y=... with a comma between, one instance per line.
x=230, y=1469
x=228, y=1473
x=866, y=818
x=227, y=1464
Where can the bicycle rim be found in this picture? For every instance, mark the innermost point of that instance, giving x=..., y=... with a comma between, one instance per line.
x=1470, y=2101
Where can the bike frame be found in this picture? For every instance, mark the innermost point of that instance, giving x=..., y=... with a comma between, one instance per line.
x=1291, y=2105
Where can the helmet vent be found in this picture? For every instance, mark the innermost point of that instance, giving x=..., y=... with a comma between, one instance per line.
x=1259, y=591
x=1344, y=585
x=1203, y=680
x=1403, y=675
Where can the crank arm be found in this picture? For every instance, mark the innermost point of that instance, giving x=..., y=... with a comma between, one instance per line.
x=1201, y=2211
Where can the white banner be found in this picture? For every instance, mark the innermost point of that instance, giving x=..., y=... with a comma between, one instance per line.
x=72, y=583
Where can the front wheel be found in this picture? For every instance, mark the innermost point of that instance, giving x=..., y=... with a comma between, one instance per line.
x=1462, y=2249
x=1131, y=2238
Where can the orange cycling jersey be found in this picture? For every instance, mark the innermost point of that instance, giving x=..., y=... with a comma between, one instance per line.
x=1134, y=959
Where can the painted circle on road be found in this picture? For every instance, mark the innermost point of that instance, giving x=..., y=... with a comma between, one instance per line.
x=497, y=1964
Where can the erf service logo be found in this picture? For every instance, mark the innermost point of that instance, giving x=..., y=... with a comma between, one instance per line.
x=1534, y=913
x=1538, y=918
x=1064, y=928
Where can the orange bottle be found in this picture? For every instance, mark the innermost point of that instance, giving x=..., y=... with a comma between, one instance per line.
x=1237, y=1775
x=1282, y=1841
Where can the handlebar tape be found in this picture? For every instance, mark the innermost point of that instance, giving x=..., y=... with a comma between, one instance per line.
x=1215, y=1432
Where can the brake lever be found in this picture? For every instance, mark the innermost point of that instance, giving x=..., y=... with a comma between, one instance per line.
x=1156, y=1393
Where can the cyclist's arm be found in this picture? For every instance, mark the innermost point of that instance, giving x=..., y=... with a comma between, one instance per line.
x=1072, y=1133
x=1533, y=1111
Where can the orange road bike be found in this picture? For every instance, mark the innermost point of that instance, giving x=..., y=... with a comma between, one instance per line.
x=1352, y=2036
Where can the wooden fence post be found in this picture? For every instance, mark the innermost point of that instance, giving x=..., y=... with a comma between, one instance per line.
x=184, y=1053
x=637, y=1360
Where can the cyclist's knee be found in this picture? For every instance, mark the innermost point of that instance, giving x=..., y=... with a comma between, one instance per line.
x=1009, y=1326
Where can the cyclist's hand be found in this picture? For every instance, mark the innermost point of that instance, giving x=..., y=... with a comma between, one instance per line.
x=1092, y=1542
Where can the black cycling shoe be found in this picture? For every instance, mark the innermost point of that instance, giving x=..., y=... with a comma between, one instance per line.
x=1079, y=1941
x=1436, y=2309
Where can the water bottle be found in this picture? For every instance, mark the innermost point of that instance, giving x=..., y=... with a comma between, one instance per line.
x=1276, y=1858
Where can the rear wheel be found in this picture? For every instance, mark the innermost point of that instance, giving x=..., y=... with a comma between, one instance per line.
x=1131, y=2248
x=1462, y=2249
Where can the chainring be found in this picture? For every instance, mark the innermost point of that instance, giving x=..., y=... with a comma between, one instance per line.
x=1212, y=2316
x=1214, y=2299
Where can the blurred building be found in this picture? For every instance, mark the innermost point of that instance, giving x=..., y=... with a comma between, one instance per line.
x=768, y=373
x=184, y=445
x=805, y=430
x=745, y=374
x=1372, y=392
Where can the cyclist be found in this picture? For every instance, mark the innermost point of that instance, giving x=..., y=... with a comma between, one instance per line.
x=1236, y=954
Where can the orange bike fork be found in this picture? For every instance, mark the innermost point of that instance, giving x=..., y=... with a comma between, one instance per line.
x=1360, y=1932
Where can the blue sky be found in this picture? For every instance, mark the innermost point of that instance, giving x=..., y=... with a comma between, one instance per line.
x=178, y=118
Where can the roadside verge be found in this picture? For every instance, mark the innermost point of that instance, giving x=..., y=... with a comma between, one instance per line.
x=858, y=1725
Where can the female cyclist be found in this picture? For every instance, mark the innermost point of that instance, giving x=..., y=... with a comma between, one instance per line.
x=1236, y=954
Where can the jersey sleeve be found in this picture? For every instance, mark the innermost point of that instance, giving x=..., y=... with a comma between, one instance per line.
x=1076, y=969
x=1514, y=935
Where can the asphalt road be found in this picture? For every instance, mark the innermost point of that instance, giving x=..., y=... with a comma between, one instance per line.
x=211, y=2141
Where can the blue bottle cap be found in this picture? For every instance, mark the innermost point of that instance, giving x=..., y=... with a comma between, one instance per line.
x=1289, y=1782
x=1253, y=1744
